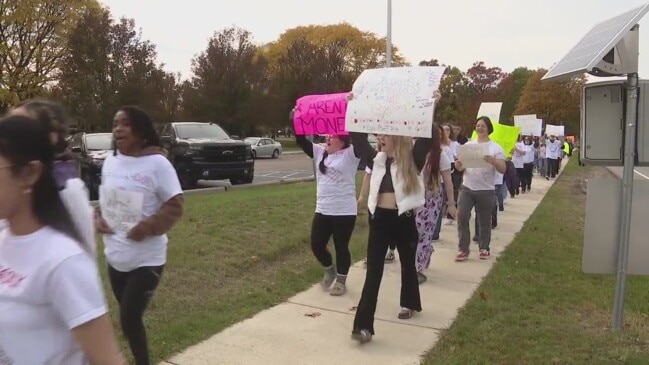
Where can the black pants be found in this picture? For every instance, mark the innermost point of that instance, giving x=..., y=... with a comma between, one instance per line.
x=133, y=291
x=528, y=173
x=341, y=228
x=392, y=245
x=553, y=167
x=385, y=227
x=456, y=178
x=520, y=172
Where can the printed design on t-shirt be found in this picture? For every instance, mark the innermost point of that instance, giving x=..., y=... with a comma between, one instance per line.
x=138, y=177
x=332, y=176
x=4, y=358
x=10, y=278
x=487, y=174
x=121, y=209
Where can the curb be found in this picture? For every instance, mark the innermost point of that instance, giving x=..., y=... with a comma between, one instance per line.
x=222, y=189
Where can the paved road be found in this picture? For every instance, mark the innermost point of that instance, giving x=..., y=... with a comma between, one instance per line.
x=640, y=172
x=287, y=166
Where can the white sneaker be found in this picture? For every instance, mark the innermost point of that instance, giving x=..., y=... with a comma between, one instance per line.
x=448, y=221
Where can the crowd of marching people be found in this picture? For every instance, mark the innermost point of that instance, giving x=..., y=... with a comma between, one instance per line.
x=52, y=304
x=411, y=188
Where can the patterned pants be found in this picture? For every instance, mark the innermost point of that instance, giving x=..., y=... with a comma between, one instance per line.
x=427, y=217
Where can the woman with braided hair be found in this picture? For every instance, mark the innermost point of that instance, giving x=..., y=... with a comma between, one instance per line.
x=336, y=206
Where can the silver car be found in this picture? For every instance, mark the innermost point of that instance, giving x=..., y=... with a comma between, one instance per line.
x=264, y=147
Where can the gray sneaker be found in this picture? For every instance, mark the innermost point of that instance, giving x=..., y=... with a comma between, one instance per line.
x=329, y=277
x=362, y=336
x=338, y=289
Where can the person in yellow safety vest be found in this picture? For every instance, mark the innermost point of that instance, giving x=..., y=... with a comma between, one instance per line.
x=566, y=148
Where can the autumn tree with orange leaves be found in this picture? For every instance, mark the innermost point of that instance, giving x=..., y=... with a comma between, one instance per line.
x=554, y=102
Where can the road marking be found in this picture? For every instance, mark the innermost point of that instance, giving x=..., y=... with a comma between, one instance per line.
x=641, y=174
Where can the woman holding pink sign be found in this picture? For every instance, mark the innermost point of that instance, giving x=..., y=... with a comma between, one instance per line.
x=336, y=207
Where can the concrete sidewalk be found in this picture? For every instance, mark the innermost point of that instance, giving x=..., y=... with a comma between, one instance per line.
x=314, y=328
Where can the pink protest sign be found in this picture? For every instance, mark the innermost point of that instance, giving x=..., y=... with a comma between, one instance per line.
x=321, y=114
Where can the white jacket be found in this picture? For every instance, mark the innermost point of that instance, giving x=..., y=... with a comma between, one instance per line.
x=405, y=202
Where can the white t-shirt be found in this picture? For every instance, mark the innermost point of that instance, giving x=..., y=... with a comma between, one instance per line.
x=528, y=157
x=48, y=286
x=453, y=145
x=553, y=149
x=444, y=165
x=448, y=151
x=136, y=187
x=483, y=178
x=444, y=162
x=517, y=157
x=542, y=151
x=499, y=178
x=337, y=188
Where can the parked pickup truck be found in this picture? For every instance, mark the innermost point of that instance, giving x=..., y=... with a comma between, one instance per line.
x=204, y=151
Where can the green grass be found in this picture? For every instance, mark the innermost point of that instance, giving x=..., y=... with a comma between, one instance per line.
x=288, y=144
x=538, y=307
x=233, y=255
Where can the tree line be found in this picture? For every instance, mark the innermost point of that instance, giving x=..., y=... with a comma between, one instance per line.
x=76, y=52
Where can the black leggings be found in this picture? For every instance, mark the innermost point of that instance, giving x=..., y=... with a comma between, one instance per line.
x=341, y=228
x=456, y=178
x=133, y=291
x=386, y=226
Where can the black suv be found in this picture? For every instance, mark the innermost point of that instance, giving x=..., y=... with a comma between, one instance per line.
x=204, y=151
x=90, y=150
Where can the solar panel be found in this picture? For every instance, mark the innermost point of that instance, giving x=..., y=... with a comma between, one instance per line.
x=596, y=44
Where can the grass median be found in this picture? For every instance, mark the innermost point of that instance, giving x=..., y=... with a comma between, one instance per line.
x=233, y=255
x=537, y=307
x=289, y=144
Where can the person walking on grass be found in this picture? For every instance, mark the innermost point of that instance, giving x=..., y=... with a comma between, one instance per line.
x=138, y=176
x=336, y=206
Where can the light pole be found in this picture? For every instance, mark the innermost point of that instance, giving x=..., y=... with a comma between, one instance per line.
x=388, y=38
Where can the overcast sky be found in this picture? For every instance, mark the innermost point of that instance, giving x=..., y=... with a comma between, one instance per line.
x=505, y=33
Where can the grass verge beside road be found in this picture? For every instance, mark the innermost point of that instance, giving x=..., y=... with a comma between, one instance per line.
x=537, y=307
x=232, y=256
x=289, y=144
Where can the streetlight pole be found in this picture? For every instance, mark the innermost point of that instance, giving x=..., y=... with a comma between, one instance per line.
x=388, y=51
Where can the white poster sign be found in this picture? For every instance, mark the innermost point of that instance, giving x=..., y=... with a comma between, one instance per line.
x=394, y=100
x=472, y=155
x=491, y=110
x=121, y=210
x=540, y=128
x=554, y=130
x=529, y=124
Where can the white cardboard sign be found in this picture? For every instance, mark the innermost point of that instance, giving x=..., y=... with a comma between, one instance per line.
x=394, y=100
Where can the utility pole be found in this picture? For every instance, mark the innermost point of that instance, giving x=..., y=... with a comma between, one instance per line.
x=388, y=51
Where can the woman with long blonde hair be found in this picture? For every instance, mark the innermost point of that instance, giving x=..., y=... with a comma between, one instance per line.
x=396, y=190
